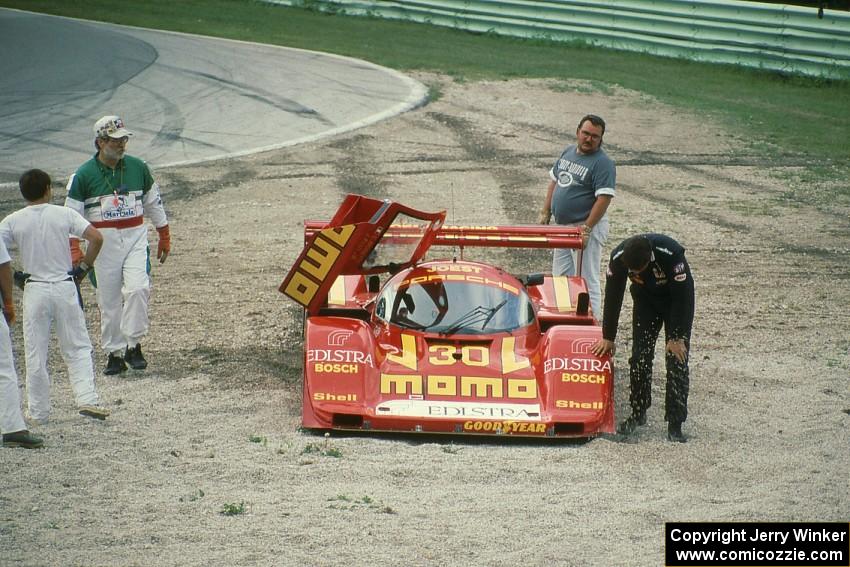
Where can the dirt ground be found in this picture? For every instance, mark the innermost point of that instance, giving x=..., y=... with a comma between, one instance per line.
x=213, y=425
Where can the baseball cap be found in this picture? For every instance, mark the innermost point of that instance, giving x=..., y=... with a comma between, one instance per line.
x=111, y=126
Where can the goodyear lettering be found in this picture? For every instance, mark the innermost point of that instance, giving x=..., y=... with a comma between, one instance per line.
x=571, y=404
x=321, y=367
x=505, y=426
x=577, y=364
x=324, y=397
x=583, y=378
x=341, y=355
x=459, y=386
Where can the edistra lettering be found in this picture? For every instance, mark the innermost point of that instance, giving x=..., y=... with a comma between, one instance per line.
x=483, y=411
x=577, y=365
x=341, y=355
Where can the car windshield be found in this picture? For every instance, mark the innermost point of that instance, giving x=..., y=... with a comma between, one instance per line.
x=448, y=307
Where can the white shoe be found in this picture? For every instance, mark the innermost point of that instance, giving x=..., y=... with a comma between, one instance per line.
x=37, y=420
x=95, y=412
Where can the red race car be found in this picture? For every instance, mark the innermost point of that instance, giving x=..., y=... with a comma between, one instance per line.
x=443, y=346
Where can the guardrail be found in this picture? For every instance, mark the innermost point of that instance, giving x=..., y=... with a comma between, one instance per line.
x=779, y=37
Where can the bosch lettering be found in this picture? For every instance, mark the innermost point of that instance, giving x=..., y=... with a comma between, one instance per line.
x=321, y=367
x=583, y=378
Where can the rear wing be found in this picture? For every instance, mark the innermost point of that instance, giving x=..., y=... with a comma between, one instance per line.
x=370, y=236
x=506, y=236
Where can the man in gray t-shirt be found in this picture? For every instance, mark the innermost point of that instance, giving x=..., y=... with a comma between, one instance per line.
x=581, y=188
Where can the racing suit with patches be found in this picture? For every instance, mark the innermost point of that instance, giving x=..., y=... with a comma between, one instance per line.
x=579, y=180
x=11, y=419
x=115, y=201
x=40, y=233
x=663, y=293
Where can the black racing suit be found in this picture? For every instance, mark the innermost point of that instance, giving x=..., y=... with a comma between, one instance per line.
x=662, y=293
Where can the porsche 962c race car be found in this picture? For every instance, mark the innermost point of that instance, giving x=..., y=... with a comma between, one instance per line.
x=443, y=346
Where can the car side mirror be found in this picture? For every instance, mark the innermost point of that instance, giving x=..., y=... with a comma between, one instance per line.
x=373, y=284
x=582, y=304
x=531, y=279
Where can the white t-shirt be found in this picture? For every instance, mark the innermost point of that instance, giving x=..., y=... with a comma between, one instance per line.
x=4, y=254
x=41, y=233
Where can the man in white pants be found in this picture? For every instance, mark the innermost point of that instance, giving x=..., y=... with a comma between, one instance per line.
x=115, y=191
x=12, y=425
x=580, y=189
x=40, y=231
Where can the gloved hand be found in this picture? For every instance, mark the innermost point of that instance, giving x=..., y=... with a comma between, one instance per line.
x=20, y=278
x=164, y=246
x=79, y=272
x=545, y=215
x=9, y=313
x=76, y=251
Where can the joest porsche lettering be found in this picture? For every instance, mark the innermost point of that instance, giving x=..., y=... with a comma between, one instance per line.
x=577, y=364
x=339, y=355
x=455, y=268
x=459, y=386
x=504, y=426
x=459, y=277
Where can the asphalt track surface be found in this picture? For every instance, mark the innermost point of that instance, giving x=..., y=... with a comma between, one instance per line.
x=186, y=98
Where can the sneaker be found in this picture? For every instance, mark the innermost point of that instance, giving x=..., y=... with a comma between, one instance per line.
x=95, y=412
x=114, y=365
x=631, y=423
x=674, y=432
x=135, y=358
x=22, y=439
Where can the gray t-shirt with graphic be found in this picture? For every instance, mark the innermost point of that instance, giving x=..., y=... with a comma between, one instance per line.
x=579, y=180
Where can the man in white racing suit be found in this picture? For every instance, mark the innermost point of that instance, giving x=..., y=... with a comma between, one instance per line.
x=114, y=192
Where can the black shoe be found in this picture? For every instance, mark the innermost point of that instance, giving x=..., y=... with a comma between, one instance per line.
x=115, y=365
x=631, y=423
x=22, y=439
x=135, y=358
x=674, y=432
